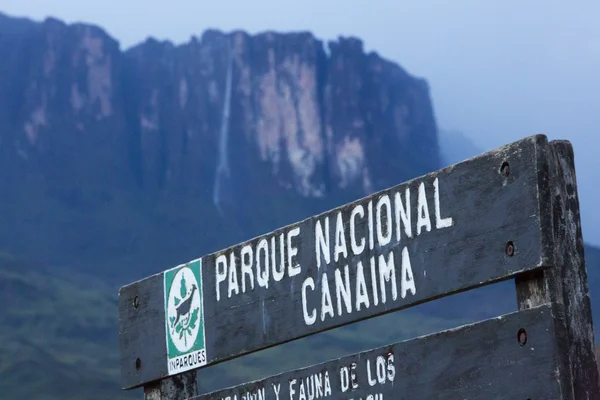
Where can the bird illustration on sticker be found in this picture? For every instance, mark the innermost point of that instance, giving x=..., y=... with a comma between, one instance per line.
x=183, y=316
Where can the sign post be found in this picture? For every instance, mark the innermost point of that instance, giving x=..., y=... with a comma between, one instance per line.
x=502, y=215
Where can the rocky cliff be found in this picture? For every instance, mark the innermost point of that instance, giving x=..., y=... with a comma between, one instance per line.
x=229, y=122
x=124, y=163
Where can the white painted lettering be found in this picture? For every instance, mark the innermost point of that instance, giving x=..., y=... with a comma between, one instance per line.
x=326, y=305
x=310, y=387
x=423, y=219
x=277, y=273
x=233, y=280
x=353, y=380
x=374, y=281
x=403, y=214
x=262, y=276
x=259, y=394
x=391, y=368
x=258, y=264
x=277, y=389
x=319, y=386
x=340, y=301
x=344, y=379
x=384, y=238
x=322, y=242
x=407, y=280
x=301, y=391
x=313, y=386
x=362, y=296
x=292, y=389
x=370, y=378
x=308, y=319
x=439, y=221
x=282, y=251
x=342, y=289
x=265, y=261
x=247, y=260
x=370, y=221
x=327, y=391
x=340, y=239
x=387, y=272
x=221, y=273
x=381, y=370
x=356, y=248
x=292, y=251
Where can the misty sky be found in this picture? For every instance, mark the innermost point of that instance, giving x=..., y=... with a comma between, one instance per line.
x=498, y=70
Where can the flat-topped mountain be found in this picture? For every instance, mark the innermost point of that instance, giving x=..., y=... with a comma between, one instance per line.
x=119, y=163
x=227, y=127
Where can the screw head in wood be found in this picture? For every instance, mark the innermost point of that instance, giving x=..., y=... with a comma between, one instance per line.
x=505, y=169
x=522, y=337
x=510, y=249
x=136, y=302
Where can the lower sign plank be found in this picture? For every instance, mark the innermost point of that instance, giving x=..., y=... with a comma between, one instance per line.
x=464, y=226
x=479, y=361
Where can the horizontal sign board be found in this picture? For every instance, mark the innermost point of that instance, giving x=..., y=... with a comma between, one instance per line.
x=464, y=226
x=483, y=360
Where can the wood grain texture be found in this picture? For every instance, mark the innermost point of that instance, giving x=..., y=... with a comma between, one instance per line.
x=565, y=287
x=179, y=387
x=488, y=209
x=478, y=361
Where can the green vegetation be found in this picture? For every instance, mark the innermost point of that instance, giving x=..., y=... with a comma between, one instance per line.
x=59, y=338
x=59, y=325
x=60, y=334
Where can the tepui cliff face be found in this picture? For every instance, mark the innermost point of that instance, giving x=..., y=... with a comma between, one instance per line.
x=235, y=121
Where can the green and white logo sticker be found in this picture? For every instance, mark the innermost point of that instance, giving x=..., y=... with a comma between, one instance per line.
x=184, y=324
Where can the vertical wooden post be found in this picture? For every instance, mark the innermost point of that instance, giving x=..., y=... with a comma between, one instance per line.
x=178, y=387
x=565, y=285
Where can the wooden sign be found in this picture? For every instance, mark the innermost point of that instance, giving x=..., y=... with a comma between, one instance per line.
x=515, y=354
x=510, y=213
x=468, y=225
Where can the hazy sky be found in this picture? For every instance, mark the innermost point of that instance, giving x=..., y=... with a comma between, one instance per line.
x=498, y=70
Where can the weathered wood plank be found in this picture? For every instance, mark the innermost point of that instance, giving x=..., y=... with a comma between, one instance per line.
x=471, y=224
x=565, y=287
x=483, y=360
x=178, y=387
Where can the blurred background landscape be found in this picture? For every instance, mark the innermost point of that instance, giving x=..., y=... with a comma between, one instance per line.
x=137, y=136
